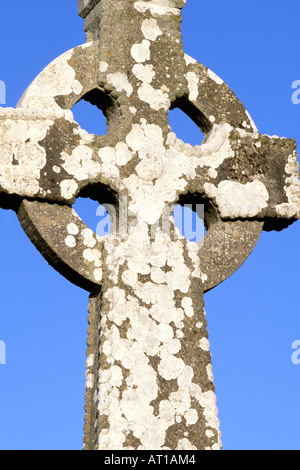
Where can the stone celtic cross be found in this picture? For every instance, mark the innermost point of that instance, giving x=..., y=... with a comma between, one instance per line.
x=149, y=373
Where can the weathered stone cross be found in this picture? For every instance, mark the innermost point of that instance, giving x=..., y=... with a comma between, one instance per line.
x=149, y=373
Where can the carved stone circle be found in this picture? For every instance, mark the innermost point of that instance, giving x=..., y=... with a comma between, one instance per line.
x=65, y=161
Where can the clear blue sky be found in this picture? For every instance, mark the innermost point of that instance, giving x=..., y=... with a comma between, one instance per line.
x=253, y=317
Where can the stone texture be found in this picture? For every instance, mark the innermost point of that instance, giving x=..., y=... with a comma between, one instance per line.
x=149, y=372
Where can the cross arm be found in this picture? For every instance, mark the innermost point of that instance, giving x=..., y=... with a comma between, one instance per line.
x=44, y=153
x=257, y=178
x=44, y=156
x=246, y=175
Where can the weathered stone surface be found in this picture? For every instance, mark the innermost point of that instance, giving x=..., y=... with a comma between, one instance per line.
x=149, y=365
x=155, y=366
x=54, y=159
x=85, y=6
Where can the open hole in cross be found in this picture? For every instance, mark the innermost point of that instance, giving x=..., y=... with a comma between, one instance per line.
x=90, y=118
x=184, y=127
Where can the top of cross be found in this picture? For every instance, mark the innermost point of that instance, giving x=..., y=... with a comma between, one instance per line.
x=86, y=6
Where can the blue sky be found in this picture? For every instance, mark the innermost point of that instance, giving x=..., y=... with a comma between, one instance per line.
x=253, y=317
